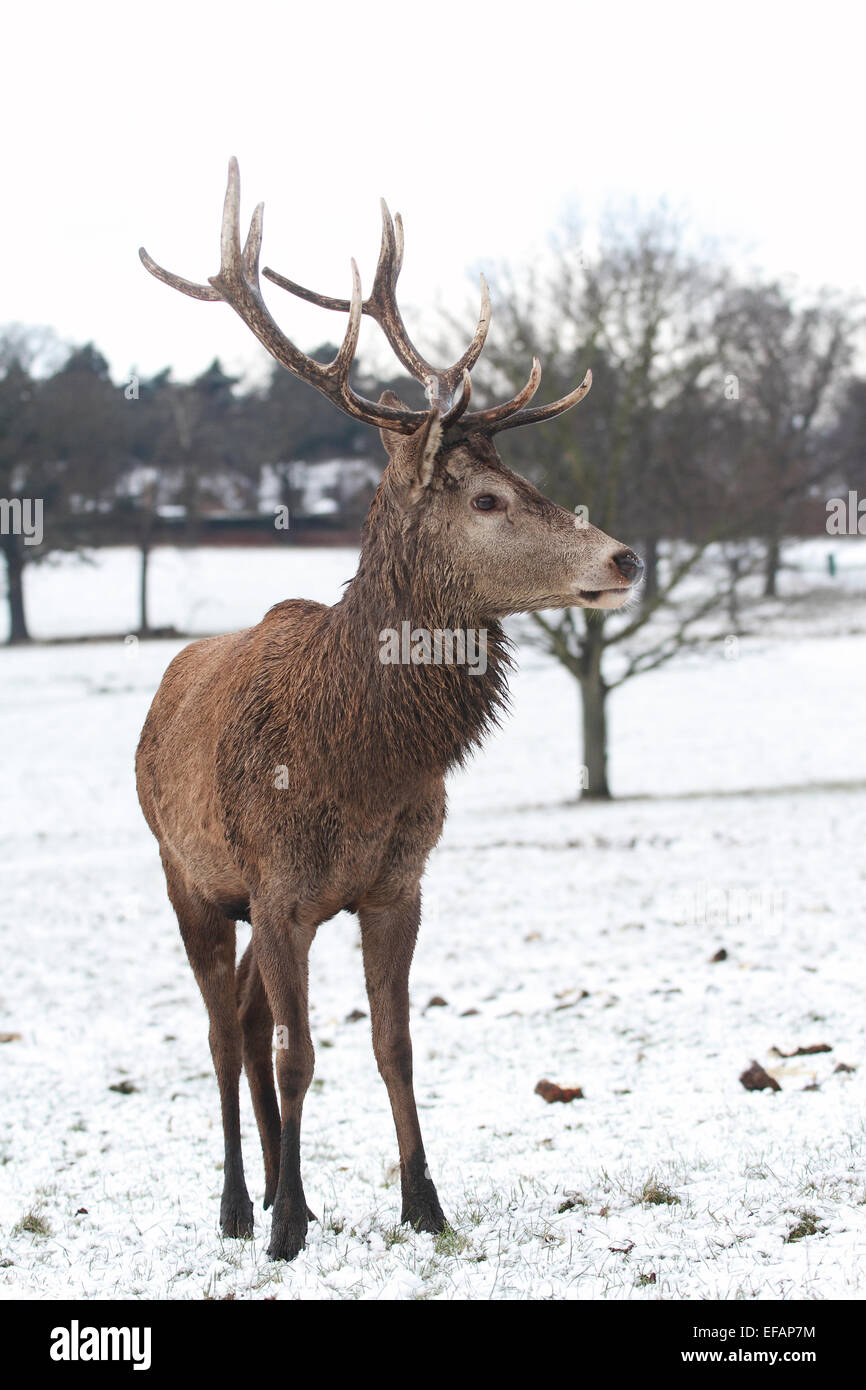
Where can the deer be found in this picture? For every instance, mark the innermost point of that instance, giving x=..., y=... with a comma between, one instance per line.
x=454, y=541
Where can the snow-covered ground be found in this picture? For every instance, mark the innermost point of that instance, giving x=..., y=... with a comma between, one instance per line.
x=571, y=942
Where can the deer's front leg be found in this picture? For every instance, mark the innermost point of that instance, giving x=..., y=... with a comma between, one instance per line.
x=388, y=939
x=282, y=947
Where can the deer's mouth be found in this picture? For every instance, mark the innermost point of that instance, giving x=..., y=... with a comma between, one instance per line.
x=603, y=598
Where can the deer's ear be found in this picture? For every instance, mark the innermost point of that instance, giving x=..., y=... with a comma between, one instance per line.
x=412, y=456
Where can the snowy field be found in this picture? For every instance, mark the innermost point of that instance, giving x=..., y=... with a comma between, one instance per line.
x=571, y=942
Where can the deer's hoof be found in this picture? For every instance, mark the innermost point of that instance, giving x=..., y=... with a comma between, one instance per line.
x=236, y=1216
x=425, y=1214
x=287, y=1242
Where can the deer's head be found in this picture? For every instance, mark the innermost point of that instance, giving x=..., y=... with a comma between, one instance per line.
x=497, y=541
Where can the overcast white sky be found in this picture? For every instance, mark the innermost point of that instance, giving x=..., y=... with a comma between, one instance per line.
x=480, y=121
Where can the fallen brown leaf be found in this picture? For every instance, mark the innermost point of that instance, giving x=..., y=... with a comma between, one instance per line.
x=755, y=1078
x=550, y=1092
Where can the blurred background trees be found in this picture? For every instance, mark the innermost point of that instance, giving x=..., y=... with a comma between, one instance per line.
x=707, y=424
x=791, y=362
x=61, y=433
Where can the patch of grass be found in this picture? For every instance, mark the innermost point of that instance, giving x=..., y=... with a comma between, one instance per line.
x=33, y=1223
x=808, y=1225
x=644, y=1279
x=450, y=1242
x=266, y=1279
x=475, y=1215
x=395, y=1235
x=656, y=1194
x=757, y=1172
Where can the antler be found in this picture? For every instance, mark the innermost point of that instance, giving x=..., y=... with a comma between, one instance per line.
x=505, y=417
x=238, y=284
x=440, y=383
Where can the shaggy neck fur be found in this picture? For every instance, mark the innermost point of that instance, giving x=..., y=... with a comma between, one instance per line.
x=425, y=717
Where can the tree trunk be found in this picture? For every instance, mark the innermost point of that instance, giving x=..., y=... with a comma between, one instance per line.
x=13, y=554
x=777, y=530
x=143, y=624
x=594, y=696
x=772, y=560
x=734, y=567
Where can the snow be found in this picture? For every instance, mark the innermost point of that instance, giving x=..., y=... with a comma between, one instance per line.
x=581, y=934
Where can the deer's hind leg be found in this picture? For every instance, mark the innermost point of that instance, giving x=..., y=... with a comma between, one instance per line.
x=257, y=1026
x=209, y=938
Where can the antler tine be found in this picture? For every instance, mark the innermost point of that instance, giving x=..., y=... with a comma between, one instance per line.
x=382, y=306
x=253, y=245
x=496, y=414
x=540, y=412
x=324, y=301
x=343, y=360
x=475, y=348
x=398, y=225
x=230, y=230
x=462, y=401
x=390, y=253
x=176, y=281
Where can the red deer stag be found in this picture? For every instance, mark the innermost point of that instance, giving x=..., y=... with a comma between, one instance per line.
x=454, y=542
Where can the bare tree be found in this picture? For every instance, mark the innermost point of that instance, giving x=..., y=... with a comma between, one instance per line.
x=60, y=449
x=847, y=444
x=642, y=314
x=193, y=445
x=788, y=362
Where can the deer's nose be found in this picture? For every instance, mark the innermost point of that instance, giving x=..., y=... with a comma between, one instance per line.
x=629, y=565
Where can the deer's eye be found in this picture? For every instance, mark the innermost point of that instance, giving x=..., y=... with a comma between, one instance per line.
x=486, y=502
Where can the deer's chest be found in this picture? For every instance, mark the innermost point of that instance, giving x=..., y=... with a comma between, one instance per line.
x=333, y=857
